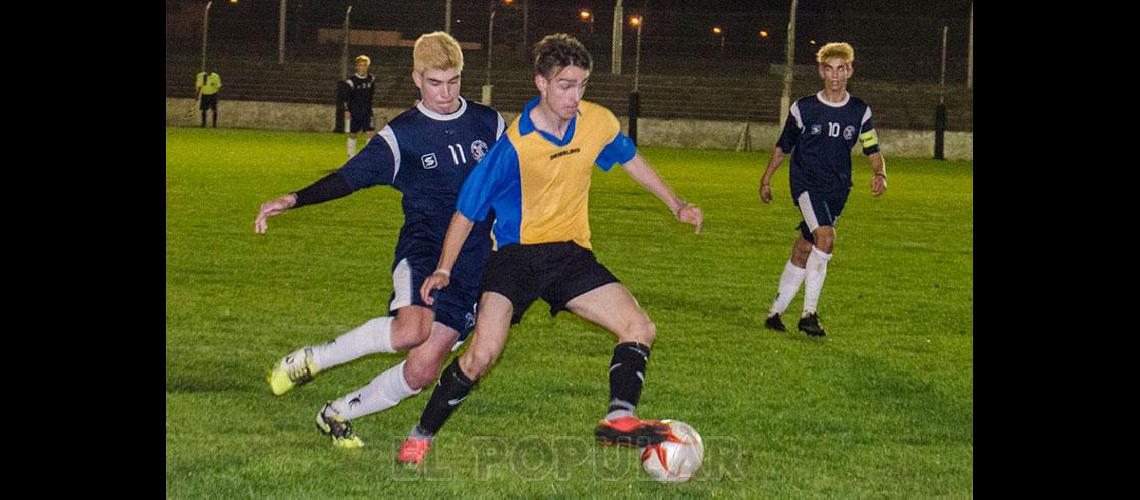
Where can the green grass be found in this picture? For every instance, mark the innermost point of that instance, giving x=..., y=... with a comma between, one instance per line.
x=883, y=407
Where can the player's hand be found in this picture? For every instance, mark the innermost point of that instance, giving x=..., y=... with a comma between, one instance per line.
x=272, y=208
x=436, y=281
x=878, y=185
x=691, y=214
x=766, y=193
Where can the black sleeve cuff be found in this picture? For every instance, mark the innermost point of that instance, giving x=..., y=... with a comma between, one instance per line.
x=330, y=187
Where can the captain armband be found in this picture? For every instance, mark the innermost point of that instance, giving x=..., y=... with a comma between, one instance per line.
x=869, y=139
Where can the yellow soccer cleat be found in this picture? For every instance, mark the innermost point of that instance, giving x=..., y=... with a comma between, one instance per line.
x=331, y=424
x=298, y=368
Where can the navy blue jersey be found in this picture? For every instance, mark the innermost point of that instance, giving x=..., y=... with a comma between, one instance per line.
x=360, y=94
x=427, y=157
x=819, y=135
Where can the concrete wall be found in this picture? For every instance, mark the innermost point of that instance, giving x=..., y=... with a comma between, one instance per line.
x=705, y=134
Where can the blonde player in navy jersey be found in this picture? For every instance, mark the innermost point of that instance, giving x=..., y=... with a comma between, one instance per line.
x=537, y=182
x=819, y=133
x=358, y=103
x=425, y=153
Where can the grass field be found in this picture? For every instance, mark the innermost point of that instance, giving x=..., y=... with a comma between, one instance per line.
x=883, y=406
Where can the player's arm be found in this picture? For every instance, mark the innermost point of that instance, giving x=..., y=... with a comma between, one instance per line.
x=376, y=164
x=645, y=175
x=878, y=174
x=473, y=204
x=766, y=180
x=330, y=187
x=457, y=232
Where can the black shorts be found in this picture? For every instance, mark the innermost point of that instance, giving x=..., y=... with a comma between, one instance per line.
x=360, y=122
x=209, y=102
x=554, y=272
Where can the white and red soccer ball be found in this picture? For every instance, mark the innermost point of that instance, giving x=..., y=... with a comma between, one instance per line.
x=678, y=457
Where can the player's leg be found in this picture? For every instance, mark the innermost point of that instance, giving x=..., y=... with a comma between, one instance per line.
x=790, y=281
x=354, y=126
x=821, y=212
x=397, y=383
x=459, y=378
x=815, y=273
x=369, y=128
x=203, y=105
x=412, y=323
x=214, y=108
x=411, y=326
x=612, y=307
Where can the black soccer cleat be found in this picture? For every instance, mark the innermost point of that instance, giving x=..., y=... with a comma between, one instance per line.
x=773, y=323
x=810, y=325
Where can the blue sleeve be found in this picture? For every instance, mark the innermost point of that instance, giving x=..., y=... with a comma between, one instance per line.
x=790, y=137
x=619, y=150
x=486, y=179
x=376, y=164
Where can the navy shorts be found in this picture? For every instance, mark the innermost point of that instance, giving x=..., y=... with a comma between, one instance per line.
x=455, y=304
x=819, y=209
x=361, y=122
x=555, y=272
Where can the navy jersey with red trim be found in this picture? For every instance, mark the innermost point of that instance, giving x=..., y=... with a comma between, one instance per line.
x=427, y=157
x=360, y=94
x=819, y=135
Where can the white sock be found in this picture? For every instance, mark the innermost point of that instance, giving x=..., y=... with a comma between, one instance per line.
x=813, y=281
x=385, y=391
x=373, y=336
x=351, y=146
x=790, y=283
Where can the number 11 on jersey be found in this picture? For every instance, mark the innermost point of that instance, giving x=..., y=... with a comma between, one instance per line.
x=454, y=157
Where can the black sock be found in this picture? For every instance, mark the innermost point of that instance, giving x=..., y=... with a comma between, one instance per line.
x=203, y=119
x=627, y=372
x=454, y=387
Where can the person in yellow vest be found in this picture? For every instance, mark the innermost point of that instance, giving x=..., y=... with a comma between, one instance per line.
x=207, y=85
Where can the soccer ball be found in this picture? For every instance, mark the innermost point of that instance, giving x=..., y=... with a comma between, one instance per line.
x=676, y=459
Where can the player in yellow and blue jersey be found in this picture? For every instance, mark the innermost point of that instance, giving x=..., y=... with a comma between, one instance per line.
x=537, y=182
x=819, y=133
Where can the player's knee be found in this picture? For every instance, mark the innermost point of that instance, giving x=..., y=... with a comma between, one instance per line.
x=420, y=375
x=409, y=332
x=824, y=239
x=476, y=362
x=641, y=329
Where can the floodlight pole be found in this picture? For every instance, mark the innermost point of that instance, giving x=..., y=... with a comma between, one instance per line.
x=447, y=17
x=615, y=65
x=940, y=111
x=281, y=34
x=344, y=52
x=970, y=54
x=786, y=97
x=205, y=31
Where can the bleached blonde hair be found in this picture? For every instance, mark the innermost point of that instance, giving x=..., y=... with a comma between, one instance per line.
x=437, y=50
x=841, y=50
x=364, y=58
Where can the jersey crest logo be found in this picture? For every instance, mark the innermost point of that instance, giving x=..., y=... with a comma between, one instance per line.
x=429, y=161
x=478, y=149
x=816, y=129
x=848, y=133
